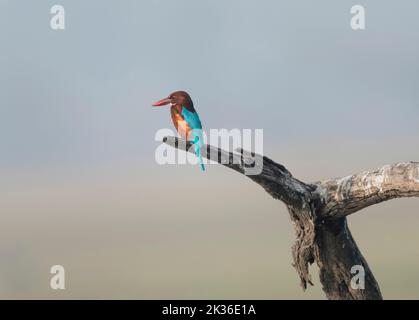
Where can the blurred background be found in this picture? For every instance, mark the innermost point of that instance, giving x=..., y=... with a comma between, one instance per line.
x=79, y=185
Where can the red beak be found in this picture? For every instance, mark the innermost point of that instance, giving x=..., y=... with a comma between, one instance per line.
x=162, y=102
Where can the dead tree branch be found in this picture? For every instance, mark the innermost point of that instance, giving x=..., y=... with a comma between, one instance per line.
x=355, y=192
x=319, y=210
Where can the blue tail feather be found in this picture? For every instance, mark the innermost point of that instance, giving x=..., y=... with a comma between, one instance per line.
x=201, y=162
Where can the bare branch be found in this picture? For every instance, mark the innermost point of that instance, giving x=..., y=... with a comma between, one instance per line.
x=274, y=178
x=319, y=212
x=344, y=196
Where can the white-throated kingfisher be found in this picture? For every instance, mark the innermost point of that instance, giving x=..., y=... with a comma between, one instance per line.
x=185, y=119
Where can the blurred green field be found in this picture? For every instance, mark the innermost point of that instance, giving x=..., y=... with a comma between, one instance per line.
x=115, y=241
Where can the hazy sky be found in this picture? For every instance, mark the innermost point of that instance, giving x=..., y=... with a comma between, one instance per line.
x=293, y=68
x=77, y=139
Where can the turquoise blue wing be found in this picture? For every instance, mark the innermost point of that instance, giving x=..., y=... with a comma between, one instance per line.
x=192, y=119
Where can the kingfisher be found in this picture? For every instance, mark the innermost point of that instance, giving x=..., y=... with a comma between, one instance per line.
x=185, y=119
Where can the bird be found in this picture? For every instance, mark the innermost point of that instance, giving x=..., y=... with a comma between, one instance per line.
x=185, y=119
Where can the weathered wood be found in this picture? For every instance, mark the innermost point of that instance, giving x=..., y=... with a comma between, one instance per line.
x=319, y=210
x=344, y=196
x=336, y=253
x=274, y=178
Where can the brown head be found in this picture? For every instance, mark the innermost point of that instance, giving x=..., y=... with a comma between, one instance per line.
x=177, y=98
